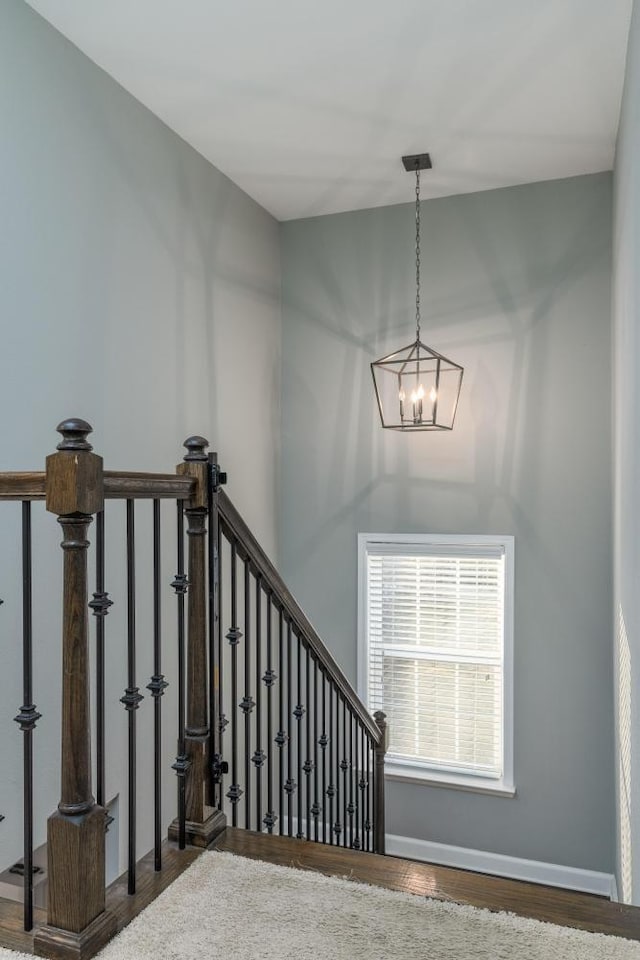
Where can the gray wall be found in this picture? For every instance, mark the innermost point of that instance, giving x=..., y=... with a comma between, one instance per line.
x=140, y=289
x=626, y=328
x=517, y=289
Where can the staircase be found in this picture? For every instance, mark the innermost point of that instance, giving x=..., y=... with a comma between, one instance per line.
x=270, y=734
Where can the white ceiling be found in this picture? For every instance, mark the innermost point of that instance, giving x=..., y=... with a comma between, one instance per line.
x=308, y=105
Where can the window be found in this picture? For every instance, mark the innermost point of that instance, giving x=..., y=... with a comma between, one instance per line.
x=436, y=654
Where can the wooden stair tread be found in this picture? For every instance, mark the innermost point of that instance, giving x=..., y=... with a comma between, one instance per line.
x=567, y=908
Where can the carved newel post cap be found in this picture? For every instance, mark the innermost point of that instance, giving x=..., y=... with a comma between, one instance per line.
x=196, y=447
x=74, y=434
x=380, y=718
x=381, y=722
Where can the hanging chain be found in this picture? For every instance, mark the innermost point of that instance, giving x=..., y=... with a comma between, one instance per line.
x=417, y=252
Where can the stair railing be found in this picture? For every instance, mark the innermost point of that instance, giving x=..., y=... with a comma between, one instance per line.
x=80, y=916
x=268, y=729
x=296, y=751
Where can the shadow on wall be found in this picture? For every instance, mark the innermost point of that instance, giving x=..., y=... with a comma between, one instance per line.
x=498, y=322
x=165, y=262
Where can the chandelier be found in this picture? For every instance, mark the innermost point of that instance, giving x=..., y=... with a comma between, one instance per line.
x=416, y=387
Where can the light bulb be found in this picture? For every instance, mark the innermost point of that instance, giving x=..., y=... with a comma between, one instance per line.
x=401, y=396
x=420, y=393
x=433, y=396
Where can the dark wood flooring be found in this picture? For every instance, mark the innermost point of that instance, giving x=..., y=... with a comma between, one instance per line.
x=581, y=910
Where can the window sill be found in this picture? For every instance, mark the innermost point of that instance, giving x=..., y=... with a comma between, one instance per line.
x=451, y=781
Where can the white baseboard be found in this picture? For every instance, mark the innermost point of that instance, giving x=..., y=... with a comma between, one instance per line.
x=515, y=868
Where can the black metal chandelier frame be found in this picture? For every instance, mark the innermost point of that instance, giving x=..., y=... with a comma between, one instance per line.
x=416, y=387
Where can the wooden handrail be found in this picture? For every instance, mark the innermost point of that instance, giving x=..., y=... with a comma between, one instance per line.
x=118, y=485
x=22, y=486
x=249, y=548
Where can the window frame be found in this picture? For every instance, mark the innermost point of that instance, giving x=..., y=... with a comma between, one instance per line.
x=418, y=772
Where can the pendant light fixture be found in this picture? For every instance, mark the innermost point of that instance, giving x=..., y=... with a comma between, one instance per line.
x=417, y=388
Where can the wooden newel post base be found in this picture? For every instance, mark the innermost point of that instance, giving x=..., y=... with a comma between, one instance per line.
x=379, y=842
x=203, y=823
x=77, y=923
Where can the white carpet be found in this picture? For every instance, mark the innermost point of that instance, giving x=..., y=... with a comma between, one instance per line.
x=237, y=909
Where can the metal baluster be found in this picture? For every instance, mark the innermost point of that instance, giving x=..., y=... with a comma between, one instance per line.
x=299, y=714
x=132, y=695
x=233, y=636
x=281, y=736
x=361, y=786
x=353, y=796
x=221, y=718
x=212, y=577
x=100, y=605
x=269, y=680
x=27, y=717
x=157, y=686
x=308, y=763
x=344, y=766
x=247, y=704
x=324, y=743
x=180, y=585
x=334, y=786
x=259, y=755
x=367, y=823
x=316, y=807
x=290, y=785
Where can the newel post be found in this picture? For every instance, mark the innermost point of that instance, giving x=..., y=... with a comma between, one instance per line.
x=77, y=923
x=203, y=823
x=379, y=754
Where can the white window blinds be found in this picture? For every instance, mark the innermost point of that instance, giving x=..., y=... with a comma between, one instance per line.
x=435, y=632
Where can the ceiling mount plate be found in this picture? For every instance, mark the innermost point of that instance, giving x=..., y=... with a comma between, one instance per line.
x=417, y=161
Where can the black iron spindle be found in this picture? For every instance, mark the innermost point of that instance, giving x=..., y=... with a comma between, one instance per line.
x=353, y=769
x=100, y=605
x=308, y=762
x=233, y=636
x=367, y=823
x=344, y=768
x=281, y=737
x=132, y=695
x=333, y=790
x=324, y=743
x=217, y=719
x=247, y=704
x=180, y=584
x=269, y=680
x=361, y=786
x=28, y=717
x=290, y=785
x=299, y=714
x=315, y=809
x=259, y=755
x=213, y=595
x=221, y=766
x=157, y=686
